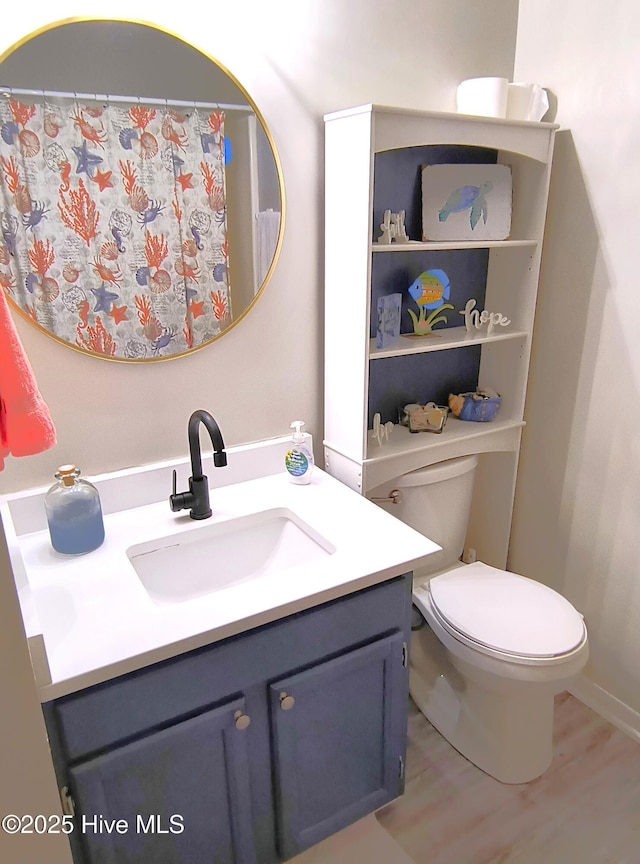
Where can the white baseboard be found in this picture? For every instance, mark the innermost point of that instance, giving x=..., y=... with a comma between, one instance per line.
x=608, y=706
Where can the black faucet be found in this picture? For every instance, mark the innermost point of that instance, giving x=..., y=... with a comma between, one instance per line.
x=197, y=498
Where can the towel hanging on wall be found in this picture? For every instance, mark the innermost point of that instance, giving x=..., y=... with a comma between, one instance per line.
x=26, y=427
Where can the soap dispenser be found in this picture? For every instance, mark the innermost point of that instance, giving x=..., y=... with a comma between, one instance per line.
x=298, y=459
x=74, y=513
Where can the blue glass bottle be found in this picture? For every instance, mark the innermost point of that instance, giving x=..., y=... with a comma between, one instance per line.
x=74, y=513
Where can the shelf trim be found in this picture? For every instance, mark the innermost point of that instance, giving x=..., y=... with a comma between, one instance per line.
x=428, y=441
x=373, y=108
x=454, y=245
x=442, y=440
x=457, y=337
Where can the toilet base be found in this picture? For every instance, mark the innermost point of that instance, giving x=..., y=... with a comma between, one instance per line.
x=507, y=733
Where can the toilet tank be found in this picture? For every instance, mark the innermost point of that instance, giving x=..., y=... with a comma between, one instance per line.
x=436, y=501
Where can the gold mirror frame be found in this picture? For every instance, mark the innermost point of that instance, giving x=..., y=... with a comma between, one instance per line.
x=277, y=166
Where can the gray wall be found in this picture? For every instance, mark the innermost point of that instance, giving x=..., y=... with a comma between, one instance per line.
x=578, y=499
x=117, y=58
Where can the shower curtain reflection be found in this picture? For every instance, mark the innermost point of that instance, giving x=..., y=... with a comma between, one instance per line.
x=114, y=222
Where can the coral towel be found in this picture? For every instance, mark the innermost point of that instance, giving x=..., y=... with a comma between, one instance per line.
x=25, y=424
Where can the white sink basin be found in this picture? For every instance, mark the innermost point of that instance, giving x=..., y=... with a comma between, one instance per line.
x=200, y=561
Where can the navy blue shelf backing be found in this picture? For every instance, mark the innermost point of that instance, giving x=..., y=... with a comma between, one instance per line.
x=393, y=272
x=429, y=377
x=397, y=381
x=397, y=179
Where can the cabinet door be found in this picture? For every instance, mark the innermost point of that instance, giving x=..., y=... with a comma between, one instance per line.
x=182, y=794
x=339, y=741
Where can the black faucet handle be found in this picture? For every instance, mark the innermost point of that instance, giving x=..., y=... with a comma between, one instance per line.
x=180, y=500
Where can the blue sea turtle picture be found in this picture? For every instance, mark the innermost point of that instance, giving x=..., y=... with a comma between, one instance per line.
x=472, y=198
x=466, y=201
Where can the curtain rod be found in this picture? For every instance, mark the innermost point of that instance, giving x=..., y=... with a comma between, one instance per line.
x=133, y=100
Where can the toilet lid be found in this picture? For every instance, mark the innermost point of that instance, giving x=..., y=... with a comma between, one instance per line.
x=506, y=612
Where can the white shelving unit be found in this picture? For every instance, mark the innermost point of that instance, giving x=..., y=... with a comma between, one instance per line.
x=353, y=139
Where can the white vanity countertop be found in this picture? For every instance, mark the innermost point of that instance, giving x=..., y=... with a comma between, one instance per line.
x=97, y=620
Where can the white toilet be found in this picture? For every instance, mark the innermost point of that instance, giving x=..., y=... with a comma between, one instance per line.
x=489, y=649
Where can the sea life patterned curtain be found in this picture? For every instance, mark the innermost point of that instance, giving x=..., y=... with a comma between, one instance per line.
x=113, y=223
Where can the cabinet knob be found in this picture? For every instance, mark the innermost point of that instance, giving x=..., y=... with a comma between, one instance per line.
x=242, y=720
x=286, y=701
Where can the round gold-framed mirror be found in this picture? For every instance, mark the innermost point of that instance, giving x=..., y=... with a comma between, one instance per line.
x=141, y=194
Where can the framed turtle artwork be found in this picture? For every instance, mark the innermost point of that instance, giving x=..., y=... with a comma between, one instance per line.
x=466, y=202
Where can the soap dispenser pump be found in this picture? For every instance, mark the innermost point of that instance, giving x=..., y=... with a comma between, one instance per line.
x=298, y=459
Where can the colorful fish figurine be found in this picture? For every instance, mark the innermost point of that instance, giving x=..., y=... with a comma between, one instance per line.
x=430, y=289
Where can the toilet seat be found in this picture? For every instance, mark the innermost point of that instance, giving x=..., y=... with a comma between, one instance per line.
x=504, y=614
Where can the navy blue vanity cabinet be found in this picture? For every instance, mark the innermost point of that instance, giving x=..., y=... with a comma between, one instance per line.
x=336, y=729
x=245, y=751
x=181, y=792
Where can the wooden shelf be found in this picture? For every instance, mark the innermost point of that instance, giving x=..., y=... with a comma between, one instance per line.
x=435, y=245
x=503, y=277
x=441, y=340
x=402, y=442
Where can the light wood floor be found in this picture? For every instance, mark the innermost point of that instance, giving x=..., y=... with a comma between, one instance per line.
x=584, y=810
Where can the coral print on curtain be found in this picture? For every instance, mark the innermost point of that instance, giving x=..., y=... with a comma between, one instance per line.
x=113, y=221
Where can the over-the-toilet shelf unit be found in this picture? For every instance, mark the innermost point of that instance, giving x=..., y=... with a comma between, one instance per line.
x=373, y=157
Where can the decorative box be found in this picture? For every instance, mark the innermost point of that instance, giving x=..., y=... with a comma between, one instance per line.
x=389, y=312
x=466, y=202
x=424, y=418
x=481, y=406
